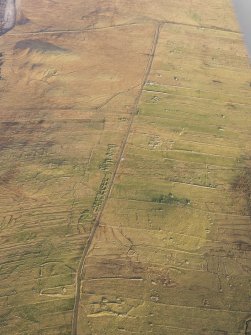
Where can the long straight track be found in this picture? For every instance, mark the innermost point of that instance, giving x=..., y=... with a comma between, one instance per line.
x=79, y=274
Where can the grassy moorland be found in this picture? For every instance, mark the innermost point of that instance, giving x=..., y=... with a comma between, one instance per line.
x=125, y=170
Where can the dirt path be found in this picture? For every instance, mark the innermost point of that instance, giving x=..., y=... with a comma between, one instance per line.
x=79, y=273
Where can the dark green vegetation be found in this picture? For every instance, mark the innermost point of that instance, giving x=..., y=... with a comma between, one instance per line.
x=170, y=199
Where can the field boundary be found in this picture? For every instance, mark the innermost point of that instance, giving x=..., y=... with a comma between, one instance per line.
x=79, y=273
